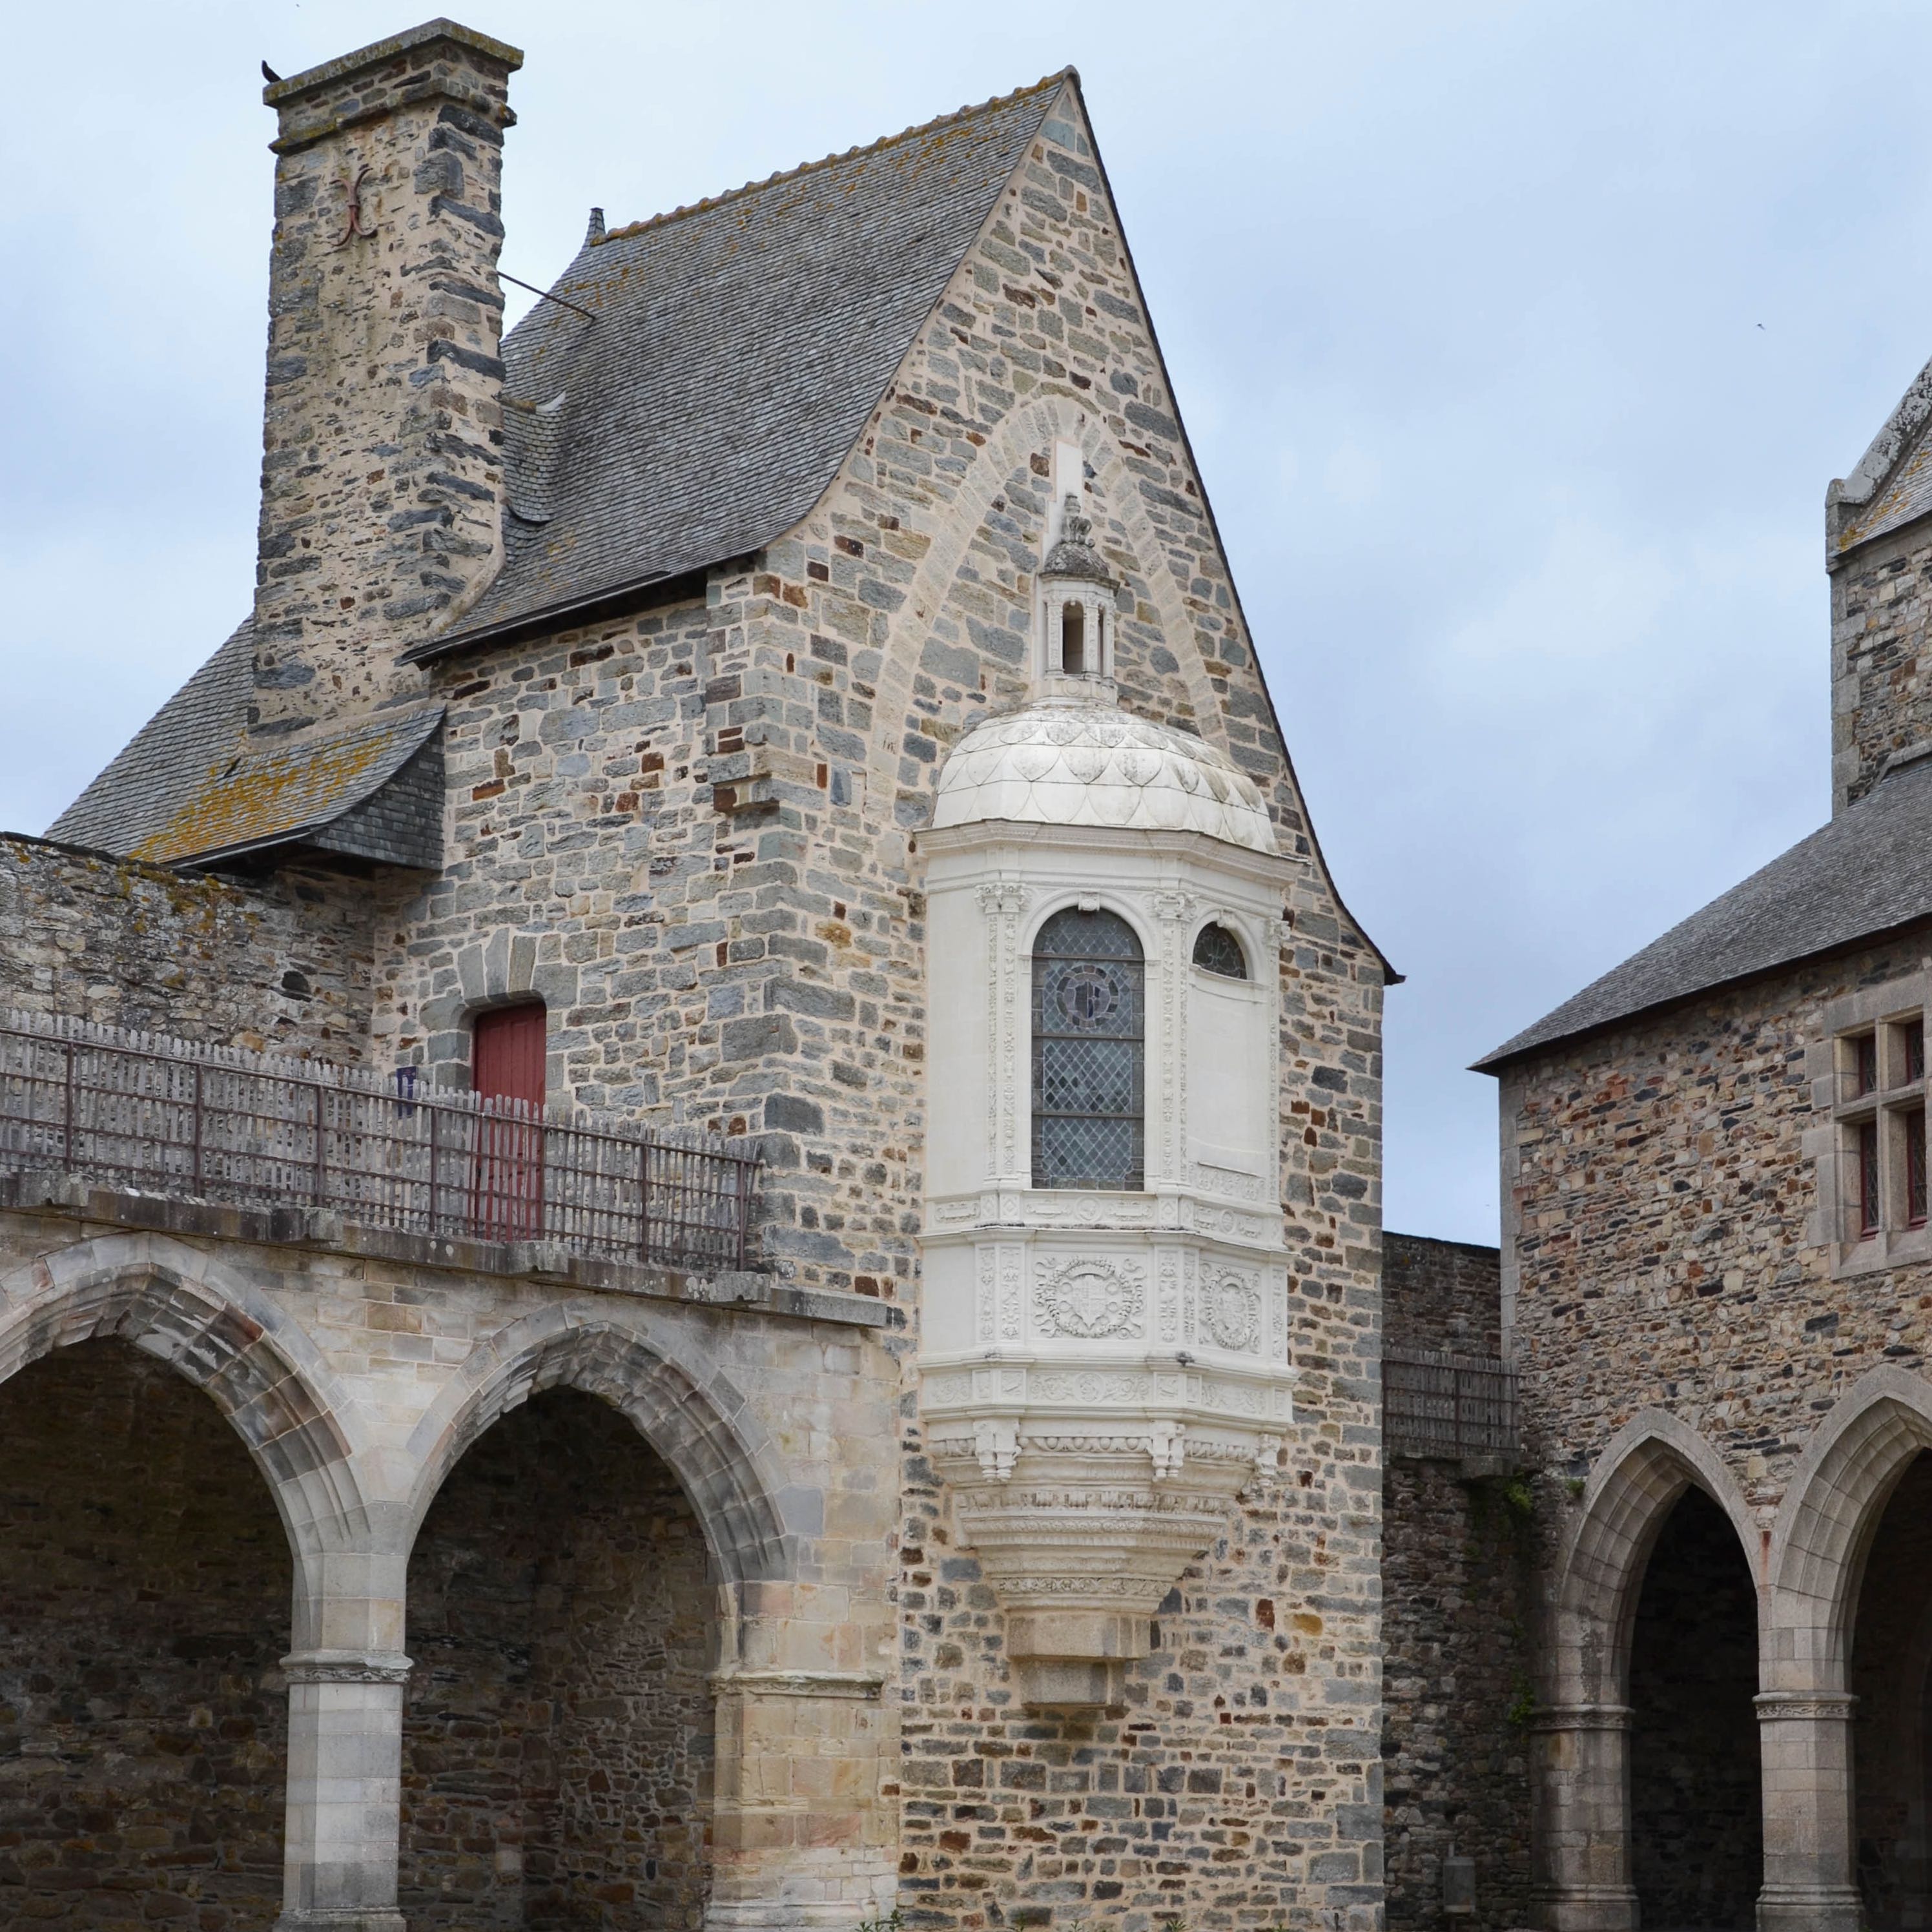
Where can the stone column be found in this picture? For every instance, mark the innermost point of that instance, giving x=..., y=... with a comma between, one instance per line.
x=1807, y=1740
x=1581, y=1824
x=345, y=1791
x=802, y=1835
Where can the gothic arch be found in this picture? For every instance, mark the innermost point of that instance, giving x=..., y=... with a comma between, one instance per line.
x=265, y=1375
x=1830, y=1512
x=696, y=1421
x=1025, y=430
x=1643, y=1471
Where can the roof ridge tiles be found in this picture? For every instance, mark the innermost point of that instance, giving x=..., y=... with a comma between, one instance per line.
x=884, y=141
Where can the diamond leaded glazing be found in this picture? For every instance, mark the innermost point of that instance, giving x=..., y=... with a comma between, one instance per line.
x=1089, y=1050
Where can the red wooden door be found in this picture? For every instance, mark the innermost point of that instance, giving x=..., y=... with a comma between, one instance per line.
x=507, y=1064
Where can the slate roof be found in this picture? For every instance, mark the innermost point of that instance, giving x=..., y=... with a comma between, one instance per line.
x=281, y=794
x=738, y=347
x=1867, y=873
x=192, y=737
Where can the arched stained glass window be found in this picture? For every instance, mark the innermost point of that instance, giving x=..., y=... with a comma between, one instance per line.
x=1089, y=1053
x=1217, y=950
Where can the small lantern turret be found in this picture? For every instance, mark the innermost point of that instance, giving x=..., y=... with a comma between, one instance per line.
x=1076, y=645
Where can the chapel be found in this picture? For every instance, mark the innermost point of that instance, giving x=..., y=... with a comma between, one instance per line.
x=690, y=1154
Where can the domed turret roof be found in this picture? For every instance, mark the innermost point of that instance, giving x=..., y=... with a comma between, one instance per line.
x=1087, y=764
x=1074, y=555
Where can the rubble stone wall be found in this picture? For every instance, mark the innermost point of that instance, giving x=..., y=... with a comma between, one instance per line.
x=1456, y=1675
x=1446, y=1296
x=282, y=964
x=1659, y=1203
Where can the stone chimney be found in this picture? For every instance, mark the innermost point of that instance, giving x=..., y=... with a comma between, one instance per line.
x=382, y=469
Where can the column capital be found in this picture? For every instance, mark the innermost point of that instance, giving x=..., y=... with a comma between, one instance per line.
x=858, y=1684
x=1805, y=1706
x=346, y=1666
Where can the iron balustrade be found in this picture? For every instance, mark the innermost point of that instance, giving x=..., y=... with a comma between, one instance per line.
x=160, y=1116
x=1454, y=1407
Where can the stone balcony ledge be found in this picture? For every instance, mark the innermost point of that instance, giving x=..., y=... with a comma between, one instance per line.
x=75, y=1197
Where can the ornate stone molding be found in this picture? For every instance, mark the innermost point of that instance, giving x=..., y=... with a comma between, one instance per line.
x=346, y=1666
x=1231, y=1308
x=1581, y=1717
x=1091, y=1298
x=1775, y=1707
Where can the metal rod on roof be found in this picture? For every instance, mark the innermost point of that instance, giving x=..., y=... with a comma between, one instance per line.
x=545, y=295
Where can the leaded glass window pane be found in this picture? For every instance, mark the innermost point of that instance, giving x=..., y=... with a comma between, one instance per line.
x=1089, y=1048
x=1217, y=950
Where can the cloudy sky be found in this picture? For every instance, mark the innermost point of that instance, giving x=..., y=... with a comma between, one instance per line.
x=1518, y=343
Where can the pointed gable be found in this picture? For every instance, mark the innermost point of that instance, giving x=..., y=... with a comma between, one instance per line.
x=1891, y=485
x=737, y=350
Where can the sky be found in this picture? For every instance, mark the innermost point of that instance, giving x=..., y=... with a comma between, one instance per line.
x=1517, y=343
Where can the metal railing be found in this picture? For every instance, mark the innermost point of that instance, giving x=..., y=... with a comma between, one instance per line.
x=1450, y=1406
x=166, y=1117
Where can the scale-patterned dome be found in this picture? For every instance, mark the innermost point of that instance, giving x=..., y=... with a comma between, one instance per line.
x=1081, y=764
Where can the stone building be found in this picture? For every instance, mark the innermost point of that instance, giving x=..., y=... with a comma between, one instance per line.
x=1716, y=1283
x=690, y=1155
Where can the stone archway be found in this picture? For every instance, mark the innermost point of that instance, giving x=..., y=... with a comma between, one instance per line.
x=800, y=1833
x=1582, y=1820
x=559, y=1739
x=695, y=1420
x=101, y=1345
x=1835, y=1532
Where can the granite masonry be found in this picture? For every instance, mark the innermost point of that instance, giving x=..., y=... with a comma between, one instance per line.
x=561, y=764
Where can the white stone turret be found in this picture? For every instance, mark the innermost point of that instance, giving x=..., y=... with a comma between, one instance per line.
x=1104, y=1361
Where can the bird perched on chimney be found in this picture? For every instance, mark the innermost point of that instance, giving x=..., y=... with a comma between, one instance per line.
x=269, y=74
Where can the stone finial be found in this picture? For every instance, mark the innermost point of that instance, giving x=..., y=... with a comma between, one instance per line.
x=1073, y=554
x=594, y=233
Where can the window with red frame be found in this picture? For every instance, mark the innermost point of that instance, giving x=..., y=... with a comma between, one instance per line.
x=1864, y=1064
x=1914, y=1031
x=1914, y=1123
x=1868, y=1204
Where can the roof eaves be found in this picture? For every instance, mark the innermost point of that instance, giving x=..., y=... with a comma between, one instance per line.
x=659, y=586
x=1510, y=1051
